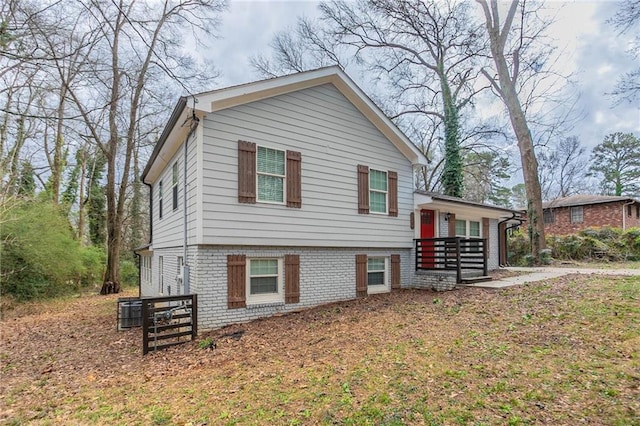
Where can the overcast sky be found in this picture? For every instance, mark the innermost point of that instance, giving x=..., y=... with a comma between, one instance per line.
x=593, y=52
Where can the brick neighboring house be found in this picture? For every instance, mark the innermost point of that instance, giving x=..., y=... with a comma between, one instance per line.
x=572, y=214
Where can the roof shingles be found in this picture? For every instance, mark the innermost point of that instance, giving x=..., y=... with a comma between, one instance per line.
x=584, y=199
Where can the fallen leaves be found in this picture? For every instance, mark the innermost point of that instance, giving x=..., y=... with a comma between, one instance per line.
x=558, y=352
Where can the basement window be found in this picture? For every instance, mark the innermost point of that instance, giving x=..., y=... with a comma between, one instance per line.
x=377, y=275
x=264, y=281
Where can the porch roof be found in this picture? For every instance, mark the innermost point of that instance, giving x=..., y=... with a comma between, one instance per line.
x=143, y=250
x=433, y=200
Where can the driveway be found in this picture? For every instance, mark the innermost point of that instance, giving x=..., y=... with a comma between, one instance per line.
x=530, y=275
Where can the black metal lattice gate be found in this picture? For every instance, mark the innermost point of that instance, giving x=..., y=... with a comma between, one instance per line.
x=168, y=321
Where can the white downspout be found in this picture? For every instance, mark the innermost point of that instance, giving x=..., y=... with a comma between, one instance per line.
x=185, y=269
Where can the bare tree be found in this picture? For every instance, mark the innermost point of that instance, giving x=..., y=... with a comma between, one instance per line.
x=302, y=48
x=424, y=54
x=132, y=44
x=626, y=20
x=37, y=39
x=562, y=169
x=508, y=40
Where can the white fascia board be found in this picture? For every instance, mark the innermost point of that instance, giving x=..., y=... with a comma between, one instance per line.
x=174, y=141
x=422, y=201
x=251, y=92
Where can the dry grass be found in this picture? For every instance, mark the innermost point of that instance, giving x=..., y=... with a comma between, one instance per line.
x=565, y=351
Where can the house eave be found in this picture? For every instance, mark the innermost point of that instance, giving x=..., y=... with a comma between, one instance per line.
x=158, y=156
x=589, y=203
x=443, y=203
x=217, y=100
x=170, y=141
x=251, y=92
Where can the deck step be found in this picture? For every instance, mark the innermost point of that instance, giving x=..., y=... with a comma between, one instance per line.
x=474, y=280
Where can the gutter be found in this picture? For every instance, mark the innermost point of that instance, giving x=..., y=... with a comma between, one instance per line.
x=506, y=243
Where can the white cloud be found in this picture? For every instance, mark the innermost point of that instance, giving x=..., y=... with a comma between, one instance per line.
x=247, y=29
x=591, y=50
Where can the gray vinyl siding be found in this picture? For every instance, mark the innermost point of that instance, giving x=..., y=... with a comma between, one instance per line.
x=192, y=191
x=169, y=272
x=169, y=231
x=333, y=137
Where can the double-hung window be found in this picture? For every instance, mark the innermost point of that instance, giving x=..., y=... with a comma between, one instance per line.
x=577, y=214
x=268, y=175
x=474, y=229
x=376, y=275
x=468, y=229
x=175, y=185
x=271, y=175
x=160, y=199
x=377, y=191
x=145, y=270
x=161, y=274
x=264, y=281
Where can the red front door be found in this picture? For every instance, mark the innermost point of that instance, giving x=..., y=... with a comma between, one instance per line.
x=427, y=230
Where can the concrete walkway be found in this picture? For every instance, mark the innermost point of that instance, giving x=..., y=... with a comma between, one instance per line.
x=530, y=275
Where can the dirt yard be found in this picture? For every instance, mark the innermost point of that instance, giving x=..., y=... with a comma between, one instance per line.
x=561, y=352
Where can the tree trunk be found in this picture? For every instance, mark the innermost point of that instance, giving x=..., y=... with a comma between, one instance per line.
x=82, y=157
x=111, y=283
x=57, y=167
x=452, y=175
x=527, y=158
x=507, y=89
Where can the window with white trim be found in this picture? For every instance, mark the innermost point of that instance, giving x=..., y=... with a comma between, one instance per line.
x=271, y=175
x=145, y=270
x=474, y=228
x=377, y=275
x=468, y=229
x=175, y=185
x=161, y=274
x=160, y=199
x=577, y=214
x=264, y=281
x=377, y=191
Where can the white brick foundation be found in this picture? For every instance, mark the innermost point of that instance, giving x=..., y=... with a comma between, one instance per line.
x=326, y=275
